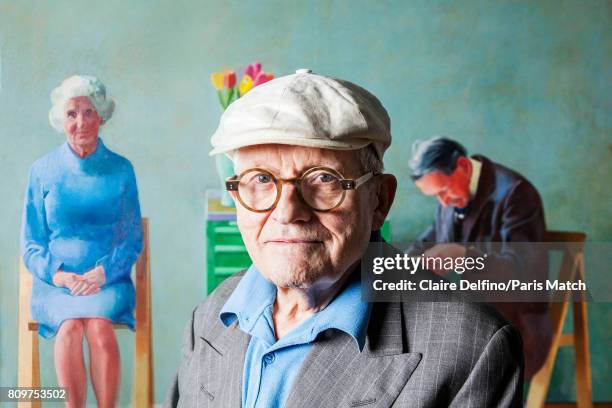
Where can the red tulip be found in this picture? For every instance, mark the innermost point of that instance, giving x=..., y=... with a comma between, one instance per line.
x=230, y=79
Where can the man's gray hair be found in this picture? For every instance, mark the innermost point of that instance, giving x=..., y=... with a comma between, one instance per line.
x=369, y=160
x=73, y=87
x=436, y=154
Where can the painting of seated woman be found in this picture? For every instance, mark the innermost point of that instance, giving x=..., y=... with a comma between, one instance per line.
x=81, y=234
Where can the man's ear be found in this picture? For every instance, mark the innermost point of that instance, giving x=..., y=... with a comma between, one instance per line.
x=464, y=164
x=385, y=194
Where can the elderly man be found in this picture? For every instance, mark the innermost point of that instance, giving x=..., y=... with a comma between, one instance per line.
x=292, y=330
x=482, y=201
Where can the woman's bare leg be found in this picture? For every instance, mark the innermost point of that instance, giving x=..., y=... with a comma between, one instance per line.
x=69, y=364
x=104, y=362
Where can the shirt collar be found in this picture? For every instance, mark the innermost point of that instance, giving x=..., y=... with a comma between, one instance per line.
x=476, y=168
x=252, y=295
x=346, y=312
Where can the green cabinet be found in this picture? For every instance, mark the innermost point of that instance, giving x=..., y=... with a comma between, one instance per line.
x=226, y=253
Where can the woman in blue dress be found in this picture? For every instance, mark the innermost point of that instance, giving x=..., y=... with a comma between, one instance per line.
x=81, y=234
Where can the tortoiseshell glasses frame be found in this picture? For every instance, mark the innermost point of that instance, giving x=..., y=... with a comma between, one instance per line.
x=321, y=188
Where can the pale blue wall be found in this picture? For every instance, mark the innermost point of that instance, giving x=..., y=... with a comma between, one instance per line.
x=524, y=82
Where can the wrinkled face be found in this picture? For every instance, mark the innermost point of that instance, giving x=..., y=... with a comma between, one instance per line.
x=451, y=190
x=293, y=245
x=81, y=122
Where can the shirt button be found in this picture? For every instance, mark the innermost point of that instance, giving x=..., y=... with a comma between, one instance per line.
x=268, y=358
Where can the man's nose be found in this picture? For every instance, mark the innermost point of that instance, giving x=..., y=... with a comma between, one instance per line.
x=290, y=208
x=79, y=121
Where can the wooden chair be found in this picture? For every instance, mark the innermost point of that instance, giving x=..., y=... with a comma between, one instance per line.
x=572, y=269
x=29, y=364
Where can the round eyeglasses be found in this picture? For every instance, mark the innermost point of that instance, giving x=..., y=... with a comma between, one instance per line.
x=321, y=188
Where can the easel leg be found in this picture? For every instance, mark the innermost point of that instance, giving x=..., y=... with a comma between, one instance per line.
x=581, y=350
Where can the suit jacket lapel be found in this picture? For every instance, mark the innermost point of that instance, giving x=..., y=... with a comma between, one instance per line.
x=224, y=353
x=335, y=374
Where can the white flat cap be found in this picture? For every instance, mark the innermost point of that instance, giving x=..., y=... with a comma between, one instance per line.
x=305, y=109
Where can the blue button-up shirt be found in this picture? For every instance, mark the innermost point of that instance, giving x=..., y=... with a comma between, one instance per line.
x=271, y=365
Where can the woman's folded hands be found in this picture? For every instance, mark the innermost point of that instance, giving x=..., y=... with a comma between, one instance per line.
x=81, y=285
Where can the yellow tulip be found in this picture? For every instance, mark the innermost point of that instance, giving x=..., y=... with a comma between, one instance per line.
x=245, y=84
x=217, y=80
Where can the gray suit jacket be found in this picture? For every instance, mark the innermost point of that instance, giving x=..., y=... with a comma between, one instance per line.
x=417, y=354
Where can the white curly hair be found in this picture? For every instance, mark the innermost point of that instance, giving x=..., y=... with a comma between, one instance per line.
x=73, y=87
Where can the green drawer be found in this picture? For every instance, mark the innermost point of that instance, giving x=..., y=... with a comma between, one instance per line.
x=231, y=255
x=227, y=235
